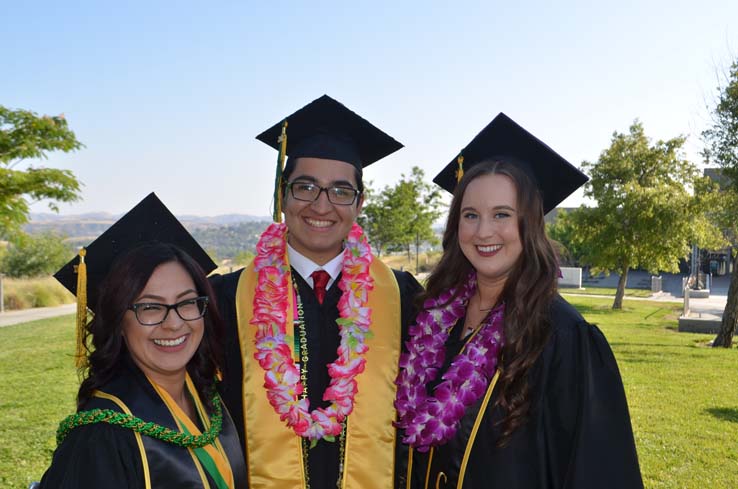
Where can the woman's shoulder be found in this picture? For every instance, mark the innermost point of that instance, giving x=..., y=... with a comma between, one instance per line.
x=567, y=325
x=90, y=455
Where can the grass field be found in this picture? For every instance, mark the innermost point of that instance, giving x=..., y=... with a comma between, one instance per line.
x=682, y=395
x=606, y=291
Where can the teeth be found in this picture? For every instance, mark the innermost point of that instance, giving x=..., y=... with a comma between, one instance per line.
x=489, y=249
x=174, y=342
x=318, y=224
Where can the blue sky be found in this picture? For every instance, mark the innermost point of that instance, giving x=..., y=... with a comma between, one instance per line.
x=168, y=96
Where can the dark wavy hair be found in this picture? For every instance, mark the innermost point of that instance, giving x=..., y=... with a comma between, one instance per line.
x=528, y=291
x=106, y=349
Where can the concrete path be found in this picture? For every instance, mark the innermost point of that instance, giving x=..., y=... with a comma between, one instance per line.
x=25, y=315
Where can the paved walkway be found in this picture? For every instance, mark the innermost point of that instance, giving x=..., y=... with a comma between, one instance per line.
x=25, y=315
x=708, y=308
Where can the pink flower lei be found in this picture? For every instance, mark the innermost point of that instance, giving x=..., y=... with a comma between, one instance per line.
x=281, y=376
x=433, y=420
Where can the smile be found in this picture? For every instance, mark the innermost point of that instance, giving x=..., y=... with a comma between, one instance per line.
x=172, y=342
x=489, y=248
x=318, y=223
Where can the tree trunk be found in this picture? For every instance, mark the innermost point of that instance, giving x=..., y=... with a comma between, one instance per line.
x=730, y=314
x=417, y=255
x=618, y=303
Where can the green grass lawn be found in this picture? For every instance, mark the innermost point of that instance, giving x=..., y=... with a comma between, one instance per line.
x=605, y=291
x=683, y=396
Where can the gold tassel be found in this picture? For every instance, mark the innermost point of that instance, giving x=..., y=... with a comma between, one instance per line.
x=277, y=217
x=81, y=355
x=460, y=171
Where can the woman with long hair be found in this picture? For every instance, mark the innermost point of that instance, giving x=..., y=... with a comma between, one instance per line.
x=504, y=384
x=148, y=413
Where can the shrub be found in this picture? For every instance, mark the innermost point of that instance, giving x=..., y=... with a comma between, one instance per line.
x=33, y=256
x=36, y=292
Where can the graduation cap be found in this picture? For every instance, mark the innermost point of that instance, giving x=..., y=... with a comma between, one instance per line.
x=327, y=129
x=149, y=221
x=504, y=139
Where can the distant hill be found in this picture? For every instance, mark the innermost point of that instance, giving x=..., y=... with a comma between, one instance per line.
x=224, y=235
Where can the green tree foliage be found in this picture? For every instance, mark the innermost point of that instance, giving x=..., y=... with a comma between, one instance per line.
x=646, y=214
x=25, y=135
x=227, y=242
x=721, y=148
x=243, y=258
x=402, y=216
x=32, y=256
x=563, y=233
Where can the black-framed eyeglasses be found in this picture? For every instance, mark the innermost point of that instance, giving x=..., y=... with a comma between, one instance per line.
x=153, y=313
x=310, y=192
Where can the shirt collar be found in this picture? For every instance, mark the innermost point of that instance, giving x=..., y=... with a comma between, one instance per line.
x=305, y=266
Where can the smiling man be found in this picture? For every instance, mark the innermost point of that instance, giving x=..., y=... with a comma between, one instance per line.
x=315, y=323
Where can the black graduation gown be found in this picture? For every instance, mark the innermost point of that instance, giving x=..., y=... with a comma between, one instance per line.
x=578, y=436
x=323, y=340
x=102, y=455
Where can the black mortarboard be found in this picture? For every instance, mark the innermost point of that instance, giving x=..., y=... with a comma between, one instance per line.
x=503, y=138
x=325, y=128
x=149, y=221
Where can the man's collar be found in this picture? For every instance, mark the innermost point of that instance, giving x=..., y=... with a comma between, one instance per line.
x=305, y=266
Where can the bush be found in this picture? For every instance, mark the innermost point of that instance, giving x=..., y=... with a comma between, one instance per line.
x=36, y=292
x=33, y=256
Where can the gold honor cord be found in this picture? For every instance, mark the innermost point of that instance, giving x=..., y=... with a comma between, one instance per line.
x=80, y=357
x=460, y=171
x=282, y=140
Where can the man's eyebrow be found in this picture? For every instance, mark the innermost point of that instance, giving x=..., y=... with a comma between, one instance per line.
x=304, y=178
x=334, y=183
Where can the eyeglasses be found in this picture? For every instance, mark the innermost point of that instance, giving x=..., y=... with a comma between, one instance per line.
x=152, y=313
x=310, y=192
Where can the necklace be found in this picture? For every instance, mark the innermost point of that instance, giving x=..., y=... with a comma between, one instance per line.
x=282, y=378
x=432, y=420
x=138, y=425
x=301, y=356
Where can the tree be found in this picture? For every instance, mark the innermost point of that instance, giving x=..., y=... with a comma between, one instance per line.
x=721, y=148
x=425, y=209
x=562, y=232
x=646, y=216
x=31, y=256
x=376, y=219
x=25, y=135
x=402, y=215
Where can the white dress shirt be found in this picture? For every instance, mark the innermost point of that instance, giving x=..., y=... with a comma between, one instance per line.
x=305, y=266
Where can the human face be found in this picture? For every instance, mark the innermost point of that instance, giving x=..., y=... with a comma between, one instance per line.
x=163, y=351
x=489, y=235
x=317, y=229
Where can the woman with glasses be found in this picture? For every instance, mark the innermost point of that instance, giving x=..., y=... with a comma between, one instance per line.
x=148, y=411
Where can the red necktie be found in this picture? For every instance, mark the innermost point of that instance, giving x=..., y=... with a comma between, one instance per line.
x=320, y=280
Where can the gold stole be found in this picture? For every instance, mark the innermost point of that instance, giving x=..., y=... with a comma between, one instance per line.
x=274, y=451
x=214, y=450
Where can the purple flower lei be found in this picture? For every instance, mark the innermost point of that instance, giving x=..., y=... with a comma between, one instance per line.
x=433, y=420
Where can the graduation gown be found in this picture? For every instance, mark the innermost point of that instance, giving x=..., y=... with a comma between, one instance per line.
x=102, y=455
x=323, y=341
x=578, y=435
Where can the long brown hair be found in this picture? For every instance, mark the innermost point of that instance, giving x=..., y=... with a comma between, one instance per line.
x=527, y=293
x=124, y=282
